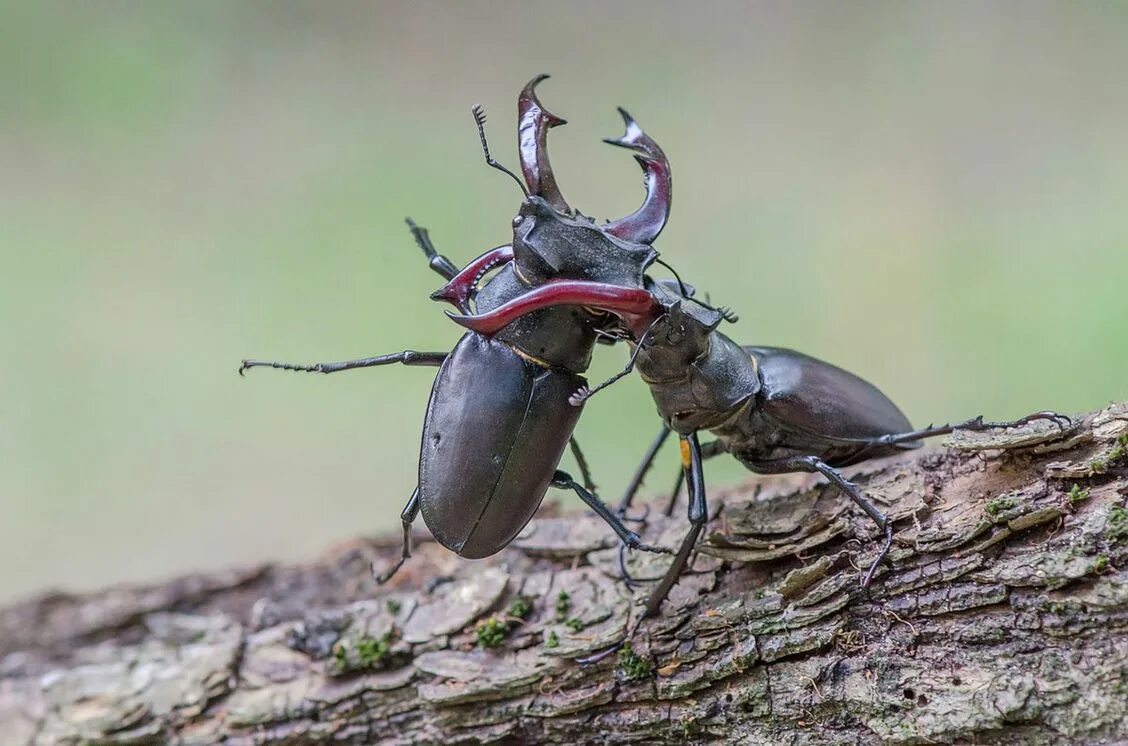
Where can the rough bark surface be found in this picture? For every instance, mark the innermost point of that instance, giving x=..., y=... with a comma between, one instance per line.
x=1001, y=618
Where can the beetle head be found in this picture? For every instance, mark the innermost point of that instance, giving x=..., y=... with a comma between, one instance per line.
x=681, y=327
x=551, y=240
x=548, y=244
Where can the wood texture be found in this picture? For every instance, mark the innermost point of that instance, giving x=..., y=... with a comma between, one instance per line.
x=1002, y=618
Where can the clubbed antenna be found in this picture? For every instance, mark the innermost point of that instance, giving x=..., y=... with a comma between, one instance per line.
x=480, y=120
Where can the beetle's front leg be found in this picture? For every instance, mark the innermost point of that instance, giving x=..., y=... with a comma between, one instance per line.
x=692, y=465
x=407, y=357
x=814, y=464
x=437, y=261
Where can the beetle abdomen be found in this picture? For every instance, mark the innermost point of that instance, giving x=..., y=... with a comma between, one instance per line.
x=811, y=395
x=496, y=428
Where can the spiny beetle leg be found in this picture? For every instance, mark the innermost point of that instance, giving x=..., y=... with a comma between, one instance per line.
x=437, y=261
x=407, y=517
x=407, y=357
x=975, y=424
x=813, y=464
x=630, y=538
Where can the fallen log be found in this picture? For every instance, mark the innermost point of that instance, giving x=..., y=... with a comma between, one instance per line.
x=1001, y=617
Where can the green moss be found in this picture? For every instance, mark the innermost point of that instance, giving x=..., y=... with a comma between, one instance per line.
x=1100, y=564
x=552, y=640
x=369, y=652
x=1078, y=494
x=574, y=624
x=520, y=608
x=372, y=652
x=1116, y=527
x=1118, y=452
x=563, y=605
x=393, y=606
x=491, y=632
x=999, y=505
x=634, y=666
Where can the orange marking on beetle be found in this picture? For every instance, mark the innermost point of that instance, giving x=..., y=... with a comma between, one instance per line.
x=685, y=453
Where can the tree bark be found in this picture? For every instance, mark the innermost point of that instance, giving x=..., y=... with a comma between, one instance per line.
x=1002, y=617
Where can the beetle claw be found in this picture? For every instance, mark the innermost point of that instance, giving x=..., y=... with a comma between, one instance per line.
x=579, y=396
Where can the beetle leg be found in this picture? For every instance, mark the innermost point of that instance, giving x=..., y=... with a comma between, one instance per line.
x=669, y=511
x=974, y=424
x=698, y=515
x=630, y=538
x=408, y=516
x=640, y=472
x=407, y=357
x=708, y=451
x=585, y=470
x=814, y=464
x=582, y=394
x=438, y=262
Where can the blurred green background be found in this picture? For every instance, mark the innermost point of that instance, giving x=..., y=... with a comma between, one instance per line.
x=933, y=196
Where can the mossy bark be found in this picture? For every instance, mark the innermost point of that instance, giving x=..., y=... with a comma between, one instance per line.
x=1001, y=618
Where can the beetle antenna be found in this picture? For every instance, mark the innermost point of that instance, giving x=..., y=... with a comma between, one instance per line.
x=681, y=285
x=725, y=312
x=583, y=393
x=480, y=120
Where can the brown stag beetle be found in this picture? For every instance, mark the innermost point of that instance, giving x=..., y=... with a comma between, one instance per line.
x=777, y=411
x=500, y=416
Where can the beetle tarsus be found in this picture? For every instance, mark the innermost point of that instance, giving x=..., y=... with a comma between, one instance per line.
x=407, y=517
x=602, y=655
x=975, y=424
x=437, y=261
x=579, y=396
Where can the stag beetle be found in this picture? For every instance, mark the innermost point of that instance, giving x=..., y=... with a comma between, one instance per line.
x=777, y=411
x=499, y=416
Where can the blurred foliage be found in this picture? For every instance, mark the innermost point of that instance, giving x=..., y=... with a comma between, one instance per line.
x=929, y=195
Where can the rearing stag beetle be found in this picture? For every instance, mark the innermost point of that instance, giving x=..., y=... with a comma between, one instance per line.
x=499, y=416
x=776, y=410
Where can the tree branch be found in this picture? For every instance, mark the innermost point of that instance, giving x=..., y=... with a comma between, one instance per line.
x=1003, y=618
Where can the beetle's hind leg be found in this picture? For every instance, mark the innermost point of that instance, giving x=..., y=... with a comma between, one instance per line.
x=975, y=424
x=408, y=516
x=407, y=357
x=814, y=464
